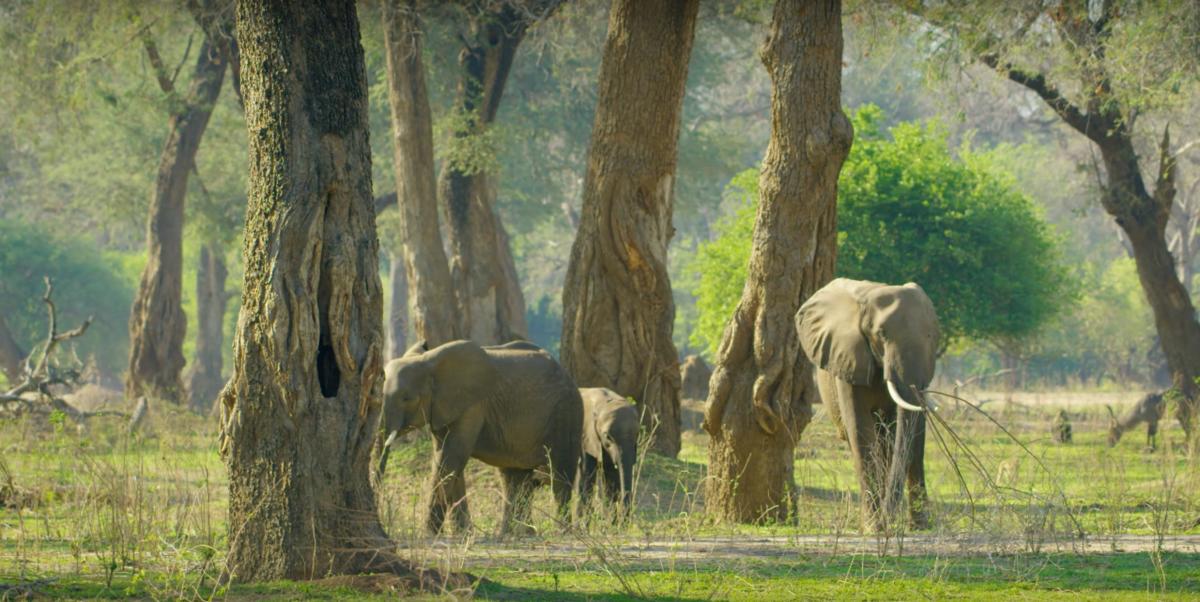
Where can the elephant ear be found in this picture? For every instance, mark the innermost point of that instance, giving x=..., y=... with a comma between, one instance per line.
x=420, y=347
x=463, y=377
x=830, y=331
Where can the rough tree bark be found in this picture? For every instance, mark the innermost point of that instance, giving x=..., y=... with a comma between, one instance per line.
x=761, y=391
x=205, y=381
x=1141, y=214
x=426, y=268
x=617, y=306
x=157, y=323
x=11, y=354
x=302, y=409
x=397, y=315
x=490, y=305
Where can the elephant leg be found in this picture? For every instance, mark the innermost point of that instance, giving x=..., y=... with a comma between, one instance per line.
x=453, y=448
x=587, y=482
x=1151, y=431
x=918, y=500
x=518, y=498
x=860, y=426
x=564, y=467
x=448, y=489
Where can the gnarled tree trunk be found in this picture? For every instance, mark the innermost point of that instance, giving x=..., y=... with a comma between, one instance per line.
x=156, y=323
x=617, y=307
x=211, y=299
x=426, y=268
x=301, y=411
x=490, y=305
x=761, y=392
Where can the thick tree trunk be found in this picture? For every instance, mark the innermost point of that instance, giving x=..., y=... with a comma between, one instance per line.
x=489, y=301
x=156, y=323
x=618, y=311
x=211, y=299
x=1143, y=217
x=425, y=263
x=761, y=393
x=397, y=320
x=301, y=411
x=11, y=354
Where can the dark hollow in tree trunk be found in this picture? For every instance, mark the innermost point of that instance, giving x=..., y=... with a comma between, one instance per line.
x=425, y=265
x=157, y=323
x=618, y=311
x=301, y=411
x=761, y=392
x=489, y=302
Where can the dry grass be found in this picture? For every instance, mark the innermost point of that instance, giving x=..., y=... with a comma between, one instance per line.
x=145, y=516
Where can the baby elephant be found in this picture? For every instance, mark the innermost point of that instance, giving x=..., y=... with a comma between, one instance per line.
x=610, y=434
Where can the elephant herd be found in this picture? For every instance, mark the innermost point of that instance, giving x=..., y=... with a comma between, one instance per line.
x=514, y=407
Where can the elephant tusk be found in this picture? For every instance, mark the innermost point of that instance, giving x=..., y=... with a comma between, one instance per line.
x=899, y=400
x=391, y=438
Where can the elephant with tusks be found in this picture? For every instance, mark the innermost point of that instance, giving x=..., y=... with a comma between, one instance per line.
x=875, y=348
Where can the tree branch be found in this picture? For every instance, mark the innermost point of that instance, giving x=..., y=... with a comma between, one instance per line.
x=1036, y=82
x=1164, y=185
x=160, y=68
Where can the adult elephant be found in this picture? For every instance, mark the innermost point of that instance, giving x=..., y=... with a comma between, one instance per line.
x=875, y=348
x=610, y=436
x=513, y=407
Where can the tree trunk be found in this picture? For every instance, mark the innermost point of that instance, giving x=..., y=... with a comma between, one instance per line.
x=1174, y=315
x=1143, y=217
x=424, y=258
x=397, y=321
x=762, y=392
x=301, y=411
x=489, y=302
x=156, y=323
x=618, y=311
x=206, y=382
x=11, y=354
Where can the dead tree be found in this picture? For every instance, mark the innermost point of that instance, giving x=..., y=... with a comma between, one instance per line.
x=39, y=373
x=1148, y=409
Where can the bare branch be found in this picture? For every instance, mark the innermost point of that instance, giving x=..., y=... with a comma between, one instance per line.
x=156, y=61
x=1085, y=124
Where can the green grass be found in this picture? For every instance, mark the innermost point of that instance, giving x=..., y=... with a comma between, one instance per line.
x=98, y=515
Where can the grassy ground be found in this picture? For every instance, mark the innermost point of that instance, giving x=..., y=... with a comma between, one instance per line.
x=96, y=515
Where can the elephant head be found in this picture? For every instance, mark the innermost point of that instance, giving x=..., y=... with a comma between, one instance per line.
x=435, y=387
x=865, y=331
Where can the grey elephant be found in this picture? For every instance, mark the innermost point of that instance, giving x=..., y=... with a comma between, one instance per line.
x=610, y=436
x=513, y=407
x=875, y=348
